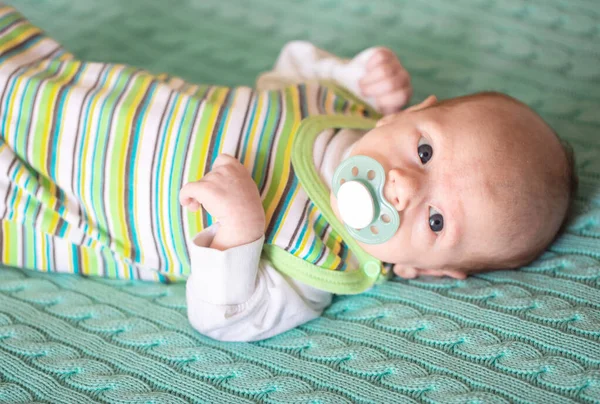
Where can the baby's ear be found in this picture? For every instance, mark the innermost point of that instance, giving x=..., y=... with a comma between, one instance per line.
x=453, y=273
x=427, y=102
x=387, y=119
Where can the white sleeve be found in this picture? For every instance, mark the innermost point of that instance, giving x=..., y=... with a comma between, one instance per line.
x=301, y=61
x=234, y=295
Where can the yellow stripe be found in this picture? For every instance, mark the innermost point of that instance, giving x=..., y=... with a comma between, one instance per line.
x=6, y=247
x=227, y=121
x=21, y=81
x=66, y=57
x=295, y=109
x=86, y=150
x=210, y=103
x=31, y=31
x=285, y=215
x=330, y=102
x=55, y=86
x=94, y=243
x=125, y=239
x=55, y=220
x=85, y=268
x=310, y=230
x=337, y=245
x=17, y=204
x=59, y=150
x=190, y=90
x=4, y=10
x=136, y=212
x=335, y=263
x=162, y=175
x=33, y=51
x=261, y=99
x=203, y=139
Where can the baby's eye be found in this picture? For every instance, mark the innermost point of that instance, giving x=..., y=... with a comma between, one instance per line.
x=436, y=220
x=425, y=150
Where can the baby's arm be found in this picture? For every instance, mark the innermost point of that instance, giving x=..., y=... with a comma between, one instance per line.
x=375, y=75
x=233, y=294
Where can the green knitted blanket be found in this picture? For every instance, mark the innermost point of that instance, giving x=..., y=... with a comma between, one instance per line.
x=531, y=335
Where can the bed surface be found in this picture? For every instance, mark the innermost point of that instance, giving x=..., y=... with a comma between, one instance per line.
x=522, y=336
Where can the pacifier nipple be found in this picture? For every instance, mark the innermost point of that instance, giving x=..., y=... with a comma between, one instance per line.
x=358, y=186
x=355, y=204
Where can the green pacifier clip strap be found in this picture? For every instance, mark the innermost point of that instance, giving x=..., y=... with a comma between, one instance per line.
x=339, y=282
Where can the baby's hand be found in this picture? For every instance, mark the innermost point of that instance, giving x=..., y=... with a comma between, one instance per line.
x=387, y=81
x=411, y=273
x=229, y=194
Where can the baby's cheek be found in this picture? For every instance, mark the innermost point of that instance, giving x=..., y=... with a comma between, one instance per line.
x=390, y=251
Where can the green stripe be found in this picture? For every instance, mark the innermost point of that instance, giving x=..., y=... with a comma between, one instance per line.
x=117, y=188
x=284, y=138
x=28, y=104
x=267, y=136
x=181, y=150
x=39, y=150
x=28, y=239
x=101, y=165
x=317, y=246
x=110, y=266
x=10, y=18
x=15, y=33
x=202, y=131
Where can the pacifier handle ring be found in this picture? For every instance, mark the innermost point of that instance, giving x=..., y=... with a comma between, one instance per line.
x=318, y=192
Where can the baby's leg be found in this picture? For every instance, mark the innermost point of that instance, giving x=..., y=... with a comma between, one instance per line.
x=37, y=232
x=92, y=157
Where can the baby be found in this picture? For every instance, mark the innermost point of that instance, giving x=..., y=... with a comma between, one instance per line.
x=94, y=159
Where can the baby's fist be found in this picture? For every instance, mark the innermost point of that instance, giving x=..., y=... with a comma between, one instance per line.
x=229, y=194
x=386, y=81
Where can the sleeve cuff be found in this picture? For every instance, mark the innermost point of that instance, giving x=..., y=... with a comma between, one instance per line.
x=223, y=277
x=349, y=74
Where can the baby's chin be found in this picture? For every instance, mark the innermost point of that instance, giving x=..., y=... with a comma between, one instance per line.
x=385, y=252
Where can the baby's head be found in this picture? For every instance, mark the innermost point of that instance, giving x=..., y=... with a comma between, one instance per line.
x=480, y=182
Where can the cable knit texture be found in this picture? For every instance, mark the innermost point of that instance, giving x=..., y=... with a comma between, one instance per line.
x=531, y=335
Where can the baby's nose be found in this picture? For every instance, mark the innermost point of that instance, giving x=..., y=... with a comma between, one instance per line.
x=404, y=187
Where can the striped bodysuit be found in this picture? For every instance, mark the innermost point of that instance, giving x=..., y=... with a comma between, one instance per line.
x=93, y=155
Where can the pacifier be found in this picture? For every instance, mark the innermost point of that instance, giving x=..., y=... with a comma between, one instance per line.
x=358, y=186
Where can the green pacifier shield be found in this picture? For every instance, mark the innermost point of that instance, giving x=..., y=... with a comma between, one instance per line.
x=358, y=186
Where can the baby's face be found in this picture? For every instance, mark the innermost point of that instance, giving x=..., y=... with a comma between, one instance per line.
x=444, y=167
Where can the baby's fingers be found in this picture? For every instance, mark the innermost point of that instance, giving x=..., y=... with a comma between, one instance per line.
x=381, y=55
x=393, y=102
x=223, y=160
x=405, y=272
x=192, y=193
x=380, y=73
x=193, y=206
x=386, y=86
